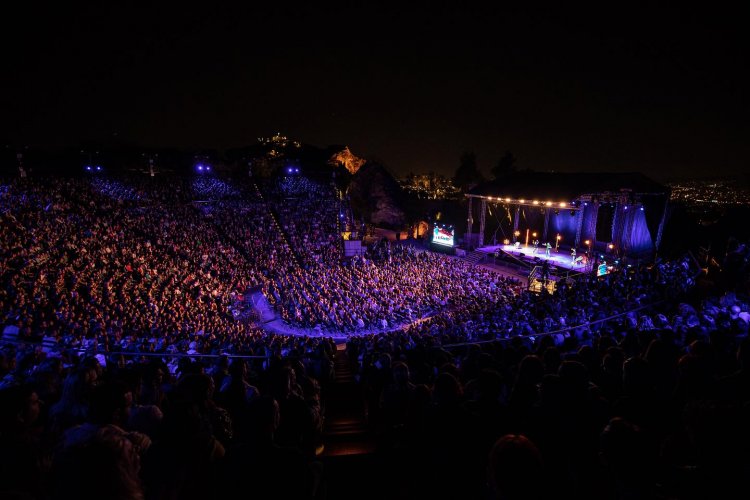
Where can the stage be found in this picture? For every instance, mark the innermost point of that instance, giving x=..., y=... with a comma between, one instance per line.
x=561, y=258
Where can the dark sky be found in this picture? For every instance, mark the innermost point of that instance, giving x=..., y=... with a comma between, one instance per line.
x=658, y=90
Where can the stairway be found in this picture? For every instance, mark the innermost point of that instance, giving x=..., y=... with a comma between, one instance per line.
x=345, y=431
x=475, y=257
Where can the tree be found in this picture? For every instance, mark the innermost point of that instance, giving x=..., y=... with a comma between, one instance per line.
x=504, y=166
x=467, y=174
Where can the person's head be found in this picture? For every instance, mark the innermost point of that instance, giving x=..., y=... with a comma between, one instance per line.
x=110, y=466
x=110, y=403
x=515, y=468
x=19, y=405
x=447, y=390
x=264, y=415
x=400, y=373
x=238, y=369
x=531, y=370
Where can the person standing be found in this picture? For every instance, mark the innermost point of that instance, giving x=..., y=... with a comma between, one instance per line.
x=547, y=250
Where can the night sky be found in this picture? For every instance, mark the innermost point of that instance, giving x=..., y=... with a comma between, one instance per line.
x=658, y=91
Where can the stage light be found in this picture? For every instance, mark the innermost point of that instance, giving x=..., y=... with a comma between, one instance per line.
x=507, y=200
x=641, y=209
x=587, y=242
x=517, y=233
x=521, y=200
x=562, y=204
x=536, y=202
x=626, y=207
x=533, y=234
x=88, y=167
x=559, y=237
x=585, y=204
x=549, y=203
x=611, y=246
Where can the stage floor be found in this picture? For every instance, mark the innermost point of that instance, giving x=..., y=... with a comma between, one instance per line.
x=562, y=258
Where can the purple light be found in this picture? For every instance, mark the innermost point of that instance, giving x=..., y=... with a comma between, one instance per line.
x=88, y=167
x=200, y=167
x=208, y=167
x=98, y=167
x=626, y=207
x=641, y=209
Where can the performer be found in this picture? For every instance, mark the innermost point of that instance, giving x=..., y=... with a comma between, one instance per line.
x=573, y=254
x=545, y=273
x=547, y=249
x=536, y=247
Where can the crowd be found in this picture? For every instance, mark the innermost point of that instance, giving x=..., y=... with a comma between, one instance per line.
x=650, y=405
x=452, y=357
x=74, y=428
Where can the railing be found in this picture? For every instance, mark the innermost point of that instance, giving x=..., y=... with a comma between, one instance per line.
x=586, y=325
x=561, y=331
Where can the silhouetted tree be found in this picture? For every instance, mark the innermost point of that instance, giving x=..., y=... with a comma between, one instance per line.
x=504, y=166
x=467, y=174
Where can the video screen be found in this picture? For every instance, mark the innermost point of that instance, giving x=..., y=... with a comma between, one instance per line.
x=603, y=269
x=443, y=235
